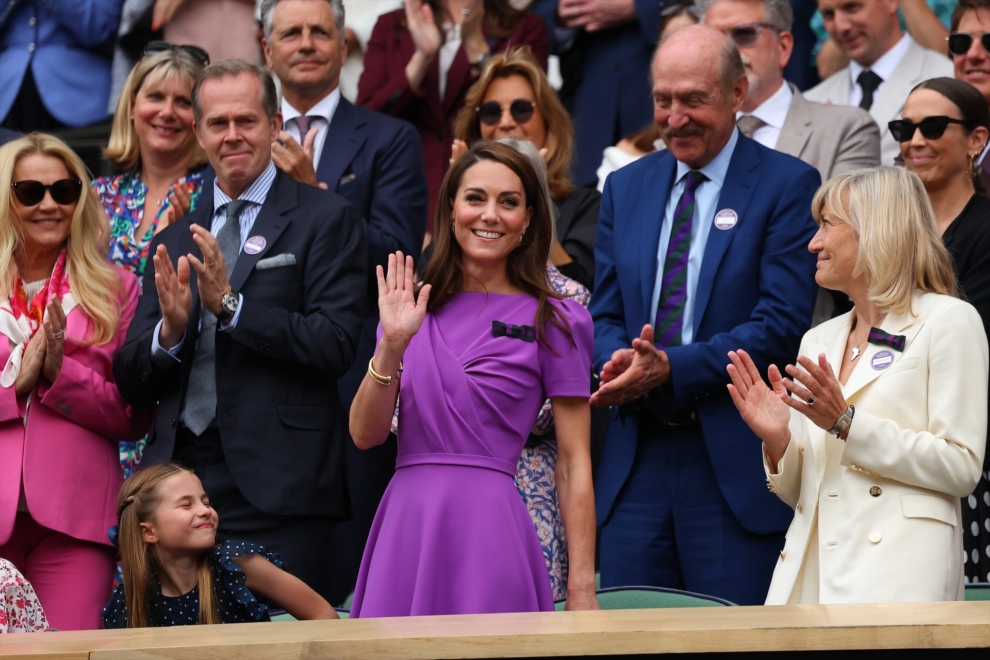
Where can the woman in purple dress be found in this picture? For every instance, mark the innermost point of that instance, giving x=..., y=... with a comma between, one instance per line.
x=480, y=348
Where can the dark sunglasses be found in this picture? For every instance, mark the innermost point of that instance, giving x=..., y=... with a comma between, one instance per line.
x=931, y=127
x=490, y=114
x=961, y=42
x=64, y=191
x=196, y=52
x=746, y=35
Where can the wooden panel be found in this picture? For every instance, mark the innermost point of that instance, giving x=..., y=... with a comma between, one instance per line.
x=562, y=634
x=62, y=645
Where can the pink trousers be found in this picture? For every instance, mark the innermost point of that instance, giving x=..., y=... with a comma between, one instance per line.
x=71, y=577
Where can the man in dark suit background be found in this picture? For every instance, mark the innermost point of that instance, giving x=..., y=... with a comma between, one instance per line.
x=701, y=249
x=241, y=339
x=604, y=48
x=374, y=161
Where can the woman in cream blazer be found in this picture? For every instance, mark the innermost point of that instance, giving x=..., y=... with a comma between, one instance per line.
x=882, y=426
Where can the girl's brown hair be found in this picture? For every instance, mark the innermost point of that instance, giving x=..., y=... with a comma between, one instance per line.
x=560, y=131
x=139, y=498
x=526, y=267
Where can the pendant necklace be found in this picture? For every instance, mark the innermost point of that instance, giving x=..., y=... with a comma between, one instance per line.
x=856, y=351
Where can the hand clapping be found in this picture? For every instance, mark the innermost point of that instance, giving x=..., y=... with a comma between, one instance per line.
x=632, y=372
x=54, y=329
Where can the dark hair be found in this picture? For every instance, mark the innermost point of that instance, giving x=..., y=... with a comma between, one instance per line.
x=972, y=106
x=965, y=6
x=526, y=268
x=500, y=16
x=231, y=69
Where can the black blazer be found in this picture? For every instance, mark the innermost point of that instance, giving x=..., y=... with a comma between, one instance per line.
x=577, y=224
x=280, y=419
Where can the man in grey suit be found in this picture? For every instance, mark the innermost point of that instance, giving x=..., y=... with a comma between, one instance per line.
x=885, y=63
x=833, y=139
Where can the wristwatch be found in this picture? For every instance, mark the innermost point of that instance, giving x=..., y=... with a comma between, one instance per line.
x=479, y=65
x=843, y=423
x=228, y=306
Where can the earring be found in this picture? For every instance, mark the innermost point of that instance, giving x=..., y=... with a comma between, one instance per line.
x=521, y=237
x=973, y=167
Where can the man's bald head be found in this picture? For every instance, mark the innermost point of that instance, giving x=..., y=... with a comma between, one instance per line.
x=699, y=84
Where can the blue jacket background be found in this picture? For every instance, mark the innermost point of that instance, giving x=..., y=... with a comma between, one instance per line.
x=68, y=44
x=756, y=291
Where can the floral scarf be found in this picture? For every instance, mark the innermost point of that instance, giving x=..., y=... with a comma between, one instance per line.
x=21, y=318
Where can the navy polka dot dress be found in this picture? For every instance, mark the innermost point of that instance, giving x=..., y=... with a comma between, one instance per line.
x=235, y=603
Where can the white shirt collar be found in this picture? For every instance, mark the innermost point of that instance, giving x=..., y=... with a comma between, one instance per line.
x=773, y=111
x=883, y=67
x=325, y=108
x=718, y=167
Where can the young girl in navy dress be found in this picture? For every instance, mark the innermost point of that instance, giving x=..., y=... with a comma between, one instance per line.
x=175, y=574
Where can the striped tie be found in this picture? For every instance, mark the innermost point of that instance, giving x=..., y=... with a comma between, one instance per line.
x=673, y=286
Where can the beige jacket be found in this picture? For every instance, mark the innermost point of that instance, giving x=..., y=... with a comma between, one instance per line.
x=884, y=505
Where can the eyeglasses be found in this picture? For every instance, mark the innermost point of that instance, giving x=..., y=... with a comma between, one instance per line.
x=746, y=35
x=490, y=114
x=931, y=127
x=195, y=52
x=64, y=191
x=960, y=42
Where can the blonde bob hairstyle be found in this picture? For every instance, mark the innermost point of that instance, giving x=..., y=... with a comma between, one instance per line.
x=900, y=250
x=123, y=149
x=93, y=281
x=560, y=131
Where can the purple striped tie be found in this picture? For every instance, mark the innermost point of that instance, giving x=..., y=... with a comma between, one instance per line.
x=673, y=286
x=302, y=123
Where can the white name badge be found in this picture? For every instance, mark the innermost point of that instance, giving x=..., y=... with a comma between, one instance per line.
x=726, y=219
x=882, y=360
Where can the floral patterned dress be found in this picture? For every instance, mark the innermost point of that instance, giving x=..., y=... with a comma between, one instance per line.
x=123, y=197
x=20, y=610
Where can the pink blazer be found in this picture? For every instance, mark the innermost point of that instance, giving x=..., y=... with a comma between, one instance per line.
x=64, y=446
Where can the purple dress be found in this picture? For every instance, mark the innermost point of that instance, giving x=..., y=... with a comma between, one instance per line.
x=452, y=535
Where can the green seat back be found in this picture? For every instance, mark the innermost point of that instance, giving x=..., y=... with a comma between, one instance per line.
x=978, y=591
x=645, y=598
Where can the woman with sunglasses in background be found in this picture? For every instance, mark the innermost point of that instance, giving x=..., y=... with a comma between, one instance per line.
x=944, y=128
x=64, y=313
x=421, y=60
x=514, y=99
x=160, y=161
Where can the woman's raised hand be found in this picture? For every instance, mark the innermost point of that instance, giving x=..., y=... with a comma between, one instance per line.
x=422, y=27
x=400, y=311
x=764, y=408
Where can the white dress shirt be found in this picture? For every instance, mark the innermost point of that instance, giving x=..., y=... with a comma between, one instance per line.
x=773, y=114
x=706, y=201
x=883, y=67
x=322, y=114
x=447, y=53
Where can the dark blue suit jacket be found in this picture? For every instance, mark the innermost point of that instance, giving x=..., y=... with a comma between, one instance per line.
x=376, y=163
x=756, y=291
x=281, y=423
x=606, y=82
x=68, y=44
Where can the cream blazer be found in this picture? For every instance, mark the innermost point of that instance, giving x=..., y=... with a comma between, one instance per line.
x=886, y=502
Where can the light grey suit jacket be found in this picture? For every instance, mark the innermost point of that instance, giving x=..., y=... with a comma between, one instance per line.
x=917, y=65
x=831, y=138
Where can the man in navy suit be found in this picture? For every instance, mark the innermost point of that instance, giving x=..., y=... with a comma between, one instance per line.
x=376, y=163
x=604, y=48
x=702, y=249
x=250, y=315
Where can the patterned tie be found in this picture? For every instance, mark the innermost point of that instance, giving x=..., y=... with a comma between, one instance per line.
x=303, y=124
x=673, y=286
x=869, y=82
x=749, y=124
x=878, y=336
x=201, y=395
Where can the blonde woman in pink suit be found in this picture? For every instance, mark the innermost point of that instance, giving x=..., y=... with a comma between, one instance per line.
x=64, y=311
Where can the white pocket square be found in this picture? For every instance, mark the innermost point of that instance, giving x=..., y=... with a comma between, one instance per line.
x=276, y=261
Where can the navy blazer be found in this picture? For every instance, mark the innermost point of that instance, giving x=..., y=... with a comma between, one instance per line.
x=606, y=82
x=68, y=46
x=756, y=291
x=281, y=423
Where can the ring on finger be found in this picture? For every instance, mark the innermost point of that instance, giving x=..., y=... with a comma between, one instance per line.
x=811, y=401
x=59, y=334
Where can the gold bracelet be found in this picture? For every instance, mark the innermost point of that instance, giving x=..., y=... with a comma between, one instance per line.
x=377, y=377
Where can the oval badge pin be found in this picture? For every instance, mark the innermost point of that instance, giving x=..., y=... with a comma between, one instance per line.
x=726, y=219
x=254, y=245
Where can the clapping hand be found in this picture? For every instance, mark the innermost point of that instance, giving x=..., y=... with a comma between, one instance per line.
x=295, y=160
x=54, y=329
x=179, y=204
x=401, y=313
x=174, y=297
x=422, y=27
x=595, y=15
x=632, y=372
x=820, y=400
x=764, y=409
x=32, y=363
